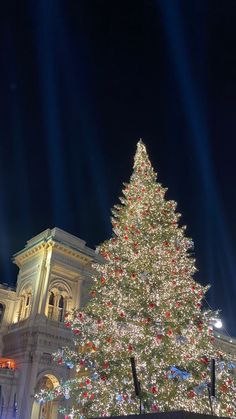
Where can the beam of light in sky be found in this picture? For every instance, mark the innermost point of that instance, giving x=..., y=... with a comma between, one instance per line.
x=173, y=23
x=54, y=45
x=81, y=101
x=14, y=190
x=43, y=16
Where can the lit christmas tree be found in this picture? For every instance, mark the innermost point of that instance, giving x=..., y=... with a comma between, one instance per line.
x=144, y=304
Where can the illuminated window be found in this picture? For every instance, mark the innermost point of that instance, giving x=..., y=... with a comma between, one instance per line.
x=25, y=304
x=51, y=305
x=7, y=363
x=61, y=309
x=57, y=304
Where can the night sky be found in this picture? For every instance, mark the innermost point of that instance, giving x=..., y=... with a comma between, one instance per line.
x=80, y=83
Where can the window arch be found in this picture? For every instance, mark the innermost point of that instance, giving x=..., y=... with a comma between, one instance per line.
x=58, y=297
x=25, y=304
x=51, y=299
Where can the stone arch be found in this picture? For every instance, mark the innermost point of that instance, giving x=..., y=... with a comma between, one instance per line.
x=59, y=297
x=61, y=284
x=49, y=410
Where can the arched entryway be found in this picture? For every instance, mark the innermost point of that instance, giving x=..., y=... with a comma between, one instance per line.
x=47, y=410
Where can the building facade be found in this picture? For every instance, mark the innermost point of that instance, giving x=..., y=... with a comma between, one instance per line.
x=54, y=277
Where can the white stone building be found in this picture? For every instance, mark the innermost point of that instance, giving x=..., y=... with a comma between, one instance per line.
x=54, y=276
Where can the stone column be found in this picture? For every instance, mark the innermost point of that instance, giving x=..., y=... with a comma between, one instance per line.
x=26, y=386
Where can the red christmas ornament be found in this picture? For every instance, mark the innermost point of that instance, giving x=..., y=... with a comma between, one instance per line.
x=154, y=408
x=151, y=305
x=103, y=280
x=166, y=243
x=204, y=360
x=198, y=305
x=159, y=338
x=167, y=314
x=76, y=331
x=169, y=332
x=130, y=347
x=177, y=304
x=68, y=324
x=126, y=237
x=88, y=381
x=92, y=396
x=59, y=361
x=122, y=314
x=224, y=388
x=191, y=394
x=103, y=378
x=85, y=394
x=80, y=315
x=105, y=255
x=154, y=389
x=106, y=365
x=82, y=362
x=147, y=320
x=133, y=276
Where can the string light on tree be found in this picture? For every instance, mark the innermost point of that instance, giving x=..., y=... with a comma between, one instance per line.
x=144, y=304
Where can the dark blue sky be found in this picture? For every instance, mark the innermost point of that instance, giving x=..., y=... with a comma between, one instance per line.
x=80, y=82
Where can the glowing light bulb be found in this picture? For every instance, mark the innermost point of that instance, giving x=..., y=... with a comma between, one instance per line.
x=218, y=324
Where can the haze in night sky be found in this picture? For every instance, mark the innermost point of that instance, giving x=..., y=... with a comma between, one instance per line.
x=80, y=83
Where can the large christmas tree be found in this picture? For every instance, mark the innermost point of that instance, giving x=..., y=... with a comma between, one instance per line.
x=144, y=304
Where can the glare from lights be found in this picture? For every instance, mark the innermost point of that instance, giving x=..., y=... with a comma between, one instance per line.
x=218, y=324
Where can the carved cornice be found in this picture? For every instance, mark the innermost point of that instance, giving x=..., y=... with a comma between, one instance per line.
x=84, y=257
